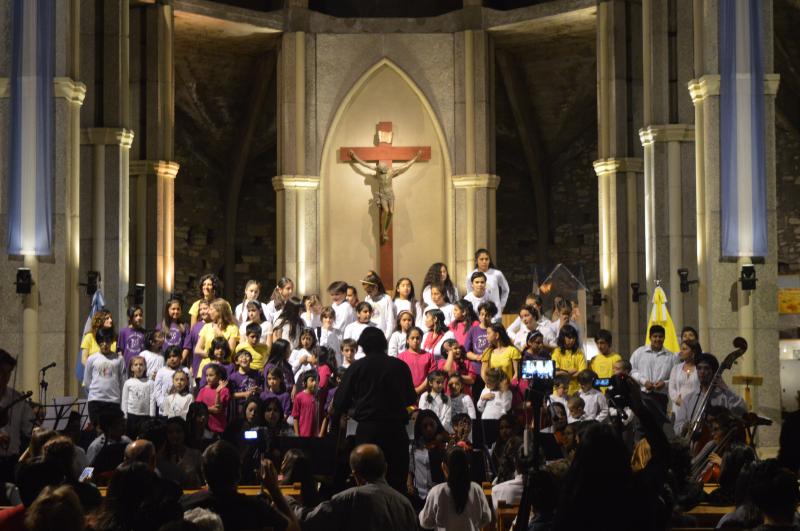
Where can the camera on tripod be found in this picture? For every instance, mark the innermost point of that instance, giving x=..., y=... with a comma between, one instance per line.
x=260, y=438
x=540, y=374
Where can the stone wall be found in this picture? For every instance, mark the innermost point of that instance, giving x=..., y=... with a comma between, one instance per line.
x=209, y=115
x=572, y=212
x=787, y=138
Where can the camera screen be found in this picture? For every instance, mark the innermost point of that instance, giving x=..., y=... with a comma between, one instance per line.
x=250, y=435
x=537, y=369
x=601, y=382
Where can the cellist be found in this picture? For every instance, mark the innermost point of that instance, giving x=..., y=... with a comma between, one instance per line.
x=721, y=395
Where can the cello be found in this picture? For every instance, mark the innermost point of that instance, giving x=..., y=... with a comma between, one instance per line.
x=698, y=434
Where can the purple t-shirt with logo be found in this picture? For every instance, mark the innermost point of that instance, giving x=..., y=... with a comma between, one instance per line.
x=130, y=343
x=172, y=337
x=476, y=342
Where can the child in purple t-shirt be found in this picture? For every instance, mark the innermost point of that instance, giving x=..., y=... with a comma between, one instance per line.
x=244, y=381
x=131, y=339
x=476, y=341
x=304, y=410
x=172, y=325
x=276, y=388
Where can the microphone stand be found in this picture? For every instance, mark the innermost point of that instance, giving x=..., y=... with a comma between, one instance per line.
x=537, y=399
x=43, y=385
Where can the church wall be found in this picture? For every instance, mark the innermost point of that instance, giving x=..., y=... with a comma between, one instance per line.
x=572, y=209
x=213, y=85
x=342, y=59
x=787, y=138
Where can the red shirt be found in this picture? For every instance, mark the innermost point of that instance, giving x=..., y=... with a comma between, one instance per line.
x=421, y=365
x=217, y=422
x=304, y=412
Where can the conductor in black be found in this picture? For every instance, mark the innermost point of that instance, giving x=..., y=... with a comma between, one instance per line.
x=379, y=389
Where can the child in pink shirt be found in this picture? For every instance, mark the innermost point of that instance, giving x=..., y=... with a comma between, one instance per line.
x=421, y=363
x=216, y=396
x=304, y=410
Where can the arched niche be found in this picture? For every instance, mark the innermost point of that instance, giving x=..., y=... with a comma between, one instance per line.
x=423, y=206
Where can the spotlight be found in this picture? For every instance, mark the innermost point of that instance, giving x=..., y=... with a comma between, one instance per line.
x=683, y=273
x=636, y=293
x=24, y=281
x=92, y=278
x=597, y=298
x=138, y=294
x=748, y=277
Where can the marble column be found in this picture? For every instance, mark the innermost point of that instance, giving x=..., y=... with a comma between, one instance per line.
x=670, y=223
x=619, y=170
x=725, y=310
x=298, y=230
x=45, y=326
x=152, y=167
x=297, y=199
x=474, y=181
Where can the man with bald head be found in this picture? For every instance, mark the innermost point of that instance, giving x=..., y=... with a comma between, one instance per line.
x=373, y=504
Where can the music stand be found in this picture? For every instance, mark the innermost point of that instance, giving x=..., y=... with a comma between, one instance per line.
x=747, y=381
x=57, y=414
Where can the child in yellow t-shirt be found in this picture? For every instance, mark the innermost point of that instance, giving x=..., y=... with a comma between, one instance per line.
x=258, y=351
x=603, y=363
x=568, y=357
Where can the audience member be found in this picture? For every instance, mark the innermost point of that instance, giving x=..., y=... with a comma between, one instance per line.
x=238, y=511
x=458, y=503
x=371, y=505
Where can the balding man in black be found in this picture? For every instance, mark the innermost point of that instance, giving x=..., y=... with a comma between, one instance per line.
x=380, y=389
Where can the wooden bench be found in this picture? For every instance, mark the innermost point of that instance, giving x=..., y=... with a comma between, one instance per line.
x=292, y=490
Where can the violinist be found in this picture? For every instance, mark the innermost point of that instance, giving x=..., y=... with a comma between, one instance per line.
x=16, y=419
x=724, y=456
x=721, y=395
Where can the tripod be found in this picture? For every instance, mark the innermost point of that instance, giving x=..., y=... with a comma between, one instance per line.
x=536, y=396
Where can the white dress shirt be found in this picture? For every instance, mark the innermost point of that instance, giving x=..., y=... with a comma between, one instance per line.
x=651, y=366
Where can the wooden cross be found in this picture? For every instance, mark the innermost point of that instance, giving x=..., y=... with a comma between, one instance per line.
x=384, y=153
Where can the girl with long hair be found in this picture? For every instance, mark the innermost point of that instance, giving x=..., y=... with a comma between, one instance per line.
x=459, y=503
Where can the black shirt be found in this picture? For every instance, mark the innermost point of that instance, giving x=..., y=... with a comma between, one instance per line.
x=379, y=387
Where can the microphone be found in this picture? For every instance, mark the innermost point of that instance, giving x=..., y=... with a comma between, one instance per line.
x=50, y=366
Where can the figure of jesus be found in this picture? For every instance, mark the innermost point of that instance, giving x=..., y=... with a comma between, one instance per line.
x=384, y=197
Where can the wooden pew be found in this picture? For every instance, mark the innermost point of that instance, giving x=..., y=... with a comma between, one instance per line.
x=292, y=490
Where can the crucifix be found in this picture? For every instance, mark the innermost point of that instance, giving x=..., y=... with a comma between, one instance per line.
x=383, y=154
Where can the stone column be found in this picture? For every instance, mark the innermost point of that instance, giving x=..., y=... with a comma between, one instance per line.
x=726, y=311
x=45, y=326
x=106, y=138
x=106, y=161
x=152, y=166
x=298, y=230
x=668, y=153
x=155, y=231
x=619, y=170
x=474, y=181
x=297, y=190
x=475, y=217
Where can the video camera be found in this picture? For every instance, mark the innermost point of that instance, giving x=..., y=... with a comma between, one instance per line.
x=260, y=438
x=540, y=374
x=618, y=392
